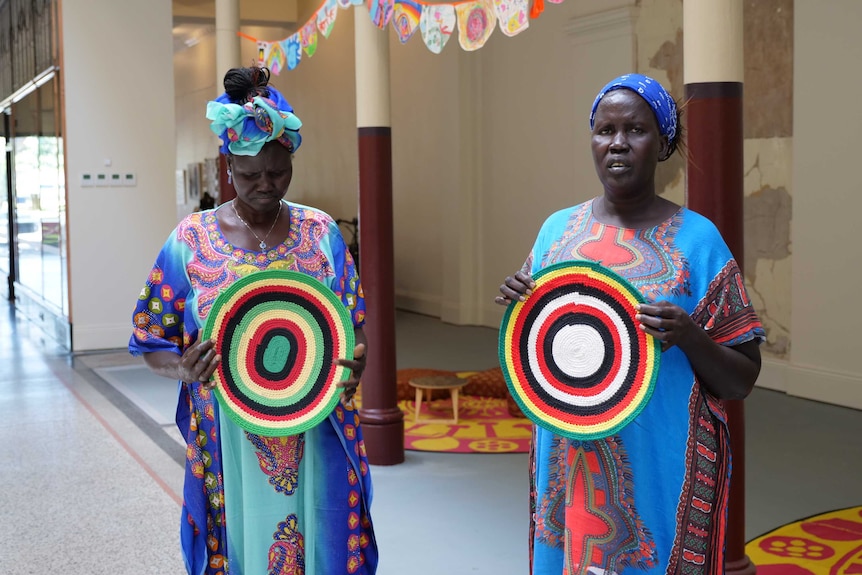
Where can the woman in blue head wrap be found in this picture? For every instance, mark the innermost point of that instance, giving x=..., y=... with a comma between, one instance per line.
x=296, y=505
x=651, y=498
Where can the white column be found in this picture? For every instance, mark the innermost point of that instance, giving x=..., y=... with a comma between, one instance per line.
x=227, y=41
x=372, y=72
x=713, y=41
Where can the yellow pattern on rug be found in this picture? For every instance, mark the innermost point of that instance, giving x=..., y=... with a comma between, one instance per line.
x=484, y=426
x=827, y=544
x=489, y=421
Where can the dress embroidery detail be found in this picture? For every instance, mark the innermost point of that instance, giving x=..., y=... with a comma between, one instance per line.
x=279, y=459
x=647, y=258
x=218, y=263
x=725, y=312
x=602, y=525
x=551, y=518
x=698, y=545
x=287, y=554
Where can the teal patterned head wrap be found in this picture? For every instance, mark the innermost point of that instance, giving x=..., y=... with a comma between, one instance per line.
x=245, y=128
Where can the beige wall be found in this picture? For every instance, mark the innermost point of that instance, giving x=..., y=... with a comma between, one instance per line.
x=118, y=92
x=826, y=357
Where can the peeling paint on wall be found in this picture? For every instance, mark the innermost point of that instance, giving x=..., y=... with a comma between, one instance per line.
x=768, y=249
x=768, y=215
x=767, y=227
x=768, y=43
x=768, y=131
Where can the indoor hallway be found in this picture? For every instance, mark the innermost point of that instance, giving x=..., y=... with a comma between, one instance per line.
x=91, y=466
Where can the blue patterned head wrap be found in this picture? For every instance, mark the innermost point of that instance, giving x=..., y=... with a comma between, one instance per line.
x=245, y=128
x=662, y=103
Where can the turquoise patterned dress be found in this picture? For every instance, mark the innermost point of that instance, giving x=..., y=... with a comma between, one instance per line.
x=653, y=498
x=255, y=505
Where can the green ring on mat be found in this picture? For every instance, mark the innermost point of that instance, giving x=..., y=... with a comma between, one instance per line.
x=572, y=354
x=262, y=299
x=306, y=386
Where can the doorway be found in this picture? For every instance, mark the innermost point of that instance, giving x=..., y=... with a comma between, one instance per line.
x=33, y=251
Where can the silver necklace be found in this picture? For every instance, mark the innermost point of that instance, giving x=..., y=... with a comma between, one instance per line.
x=262, y=243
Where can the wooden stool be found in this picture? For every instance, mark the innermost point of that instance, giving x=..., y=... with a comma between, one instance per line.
x=428, y=384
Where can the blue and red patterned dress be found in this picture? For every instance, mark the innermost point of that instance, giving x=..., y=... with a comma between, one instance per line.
x=254, y=505
x=652, y=498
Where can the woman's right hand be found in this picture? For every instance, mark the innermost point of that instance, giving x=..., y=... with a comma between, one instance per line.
x=198, y=362
x=516, y=287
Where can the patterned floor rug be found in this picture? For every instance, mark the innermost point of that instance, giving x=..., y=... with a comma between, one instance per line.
x=827, y=544
x=484, y=426
x=488, y=419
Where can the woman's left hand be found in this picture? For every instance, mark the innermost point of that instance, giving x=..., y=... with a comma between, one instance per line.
x=668, y=323
x=356, y=366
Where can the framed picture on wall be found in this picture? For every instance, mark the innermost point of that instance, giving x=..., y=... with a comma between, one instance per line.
x=182, y=187
x=195, y=177
x=210, y=177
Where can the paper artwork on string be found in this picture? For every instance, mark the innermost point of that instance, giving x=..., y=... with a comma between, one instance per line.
x=437, y=24
x=513, y=16
x=381, y=12
x=476, y=21
x=262, y=47
x=345, y=4
x=308, y=38
x=326, y=17
x=405, y=18
x=292, y=51
x=275, y=58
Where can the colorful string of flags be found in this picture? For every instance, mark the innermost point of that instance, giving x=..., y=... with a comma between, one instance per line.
x=475, y=20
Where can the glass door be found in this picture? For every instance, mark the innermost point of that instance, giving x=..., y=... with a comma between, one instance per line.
x=39, y=237
x=7, y=262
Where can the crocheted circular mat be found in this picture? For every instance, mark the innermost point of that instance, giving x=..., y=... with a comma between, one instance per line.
x=278, y=333
x=572, y=354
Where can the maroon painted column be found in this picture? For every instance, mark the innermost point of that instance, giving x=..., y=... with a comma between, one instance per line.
x=382, y=420
x=713, y=90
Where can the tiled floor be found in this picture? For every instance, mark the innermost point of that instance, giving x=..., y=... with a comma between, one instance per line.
x=91, y=467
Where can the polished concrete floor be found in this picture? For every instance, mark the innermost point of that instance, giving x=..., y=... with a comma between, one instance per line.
x=91, y=466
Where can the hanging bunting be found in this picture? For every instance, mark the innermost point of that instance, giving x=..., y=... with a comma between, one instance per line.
x=261, y=53
x=437, y=24
x=326, y=17
x=405, y=18
x=513, y=16
x=381, y=12
x=308, y=38
x=292, y=51
x=476, y=21
x=537, y=8
x=275, y=57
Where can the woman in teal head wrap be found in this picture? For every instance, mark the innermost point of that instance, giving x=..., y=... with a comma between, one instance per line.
x=253, y=505
x=651, y=498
